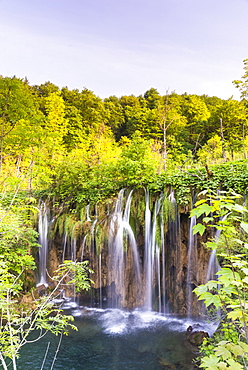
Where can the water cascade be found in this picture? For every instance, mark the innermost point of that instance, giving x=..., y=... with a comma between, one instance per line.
x=145, y=259
x=152, y=254
x=123, y=254
x=213, y=265
x=141, y=249
x=192, y=265
x=43, y=241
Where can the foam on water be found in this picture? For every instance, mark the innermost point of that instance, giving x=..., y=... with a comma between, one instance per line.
x=119, y=322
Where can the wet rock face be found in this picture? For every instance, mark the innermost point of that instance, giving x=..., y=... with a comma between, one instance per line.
x=196, y=336
x=116, y=277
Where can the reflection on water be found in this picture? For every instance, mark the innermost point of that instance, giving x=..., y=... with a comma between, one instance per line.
x=116, y=340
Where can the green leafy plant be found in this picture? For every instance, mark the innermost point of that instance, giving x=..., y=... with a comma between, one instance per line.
x=229, y=291
x=39, y=315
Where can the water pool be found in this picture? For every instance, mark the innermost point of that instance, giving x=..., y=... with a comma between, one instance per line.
x=113, y=339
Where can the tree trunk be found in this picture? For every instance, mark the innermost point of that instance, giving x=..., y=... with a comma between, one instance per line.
x=243, y=139
x=223, y=140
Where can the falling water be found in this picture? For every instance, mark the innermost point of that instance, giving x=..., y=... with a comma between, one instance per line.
x=173, y=274
x=83, y=246
x=88, y=213
x=148, y=252
x=116, y=255
x=121, y=235
x=152, y=253
x=43, y=241
x=163, y=261
x=192, y=265
x=64, y=247
x=143, y=265
x=213, y=265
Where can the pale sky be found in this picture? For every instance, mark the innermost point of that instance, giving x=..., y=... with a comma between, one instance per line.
x=124, y=47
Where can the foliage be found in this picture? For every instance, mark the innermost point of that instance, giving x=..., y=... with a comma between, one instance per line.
x=21, y=312
x=229, y=291
x=211, y=150
x=138, y=164
x=242, y=84
x=40, y=315
x=77, y=273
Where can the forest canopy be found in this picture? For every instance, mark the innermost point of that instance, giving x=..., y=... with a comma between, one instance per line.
x=76, y=146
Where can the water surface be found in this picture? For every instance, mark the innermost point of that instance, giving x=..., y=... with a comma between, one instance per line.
x=113, y=339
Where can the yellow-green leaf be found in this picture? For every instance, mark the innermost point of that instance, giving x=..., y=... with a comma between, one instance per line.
x=234, y=315
x=199, y=228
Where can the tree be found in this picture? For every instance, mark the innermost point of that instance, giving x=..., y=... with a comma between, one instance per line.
x=242, y=84
x=143, y=120
x=169, y=119
x=211, y=151
x=137, y=165
x=232, y=116
x=115, y=116
x=195, y=110
x=152, y=98
x=16, y=104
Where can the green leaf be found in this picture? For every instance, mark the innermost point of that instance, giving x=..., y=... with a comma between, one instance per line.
x=199, y=202
x=234, y=365
x=239, y=208
x=225, y=272
x=245, y=280
x=199, y=228
x=245, y=270
x=222, y=366
x=207, y=219
x=244, y=226
x=236, y=349
x=223, y=351
x=205, y=208
x=234, y=315
x=225, y=280
x=216, y=301
x=210, y=298
x=244, y=346
x=212, y=284
x=230, y=289
x=200, y=289
x=210, y=362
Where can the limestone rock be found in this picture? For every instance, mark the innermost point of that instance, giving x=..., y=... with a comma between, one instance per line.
x=196, y=336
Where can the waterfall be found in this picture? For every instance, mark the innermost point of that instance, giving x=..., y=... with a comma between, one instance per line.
x=148, y=267
x=213, y=265
x=152, y=254
x=173, y=279
x=138, y=248
x=163, y=288
x=116, y=255
x=43, y=241
x=123, y=253
x=88, y=213
x=192, y=265
x=64, y=247
x=83, y=246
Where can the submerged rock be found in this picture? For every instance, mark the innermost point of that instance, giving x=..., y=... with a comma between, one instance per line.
x=165, y=364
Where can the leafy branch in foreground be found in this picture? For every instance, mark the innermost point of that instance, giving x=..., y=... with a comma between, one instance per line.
x=40, y=316
x=77, y=272
x=228, y=292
